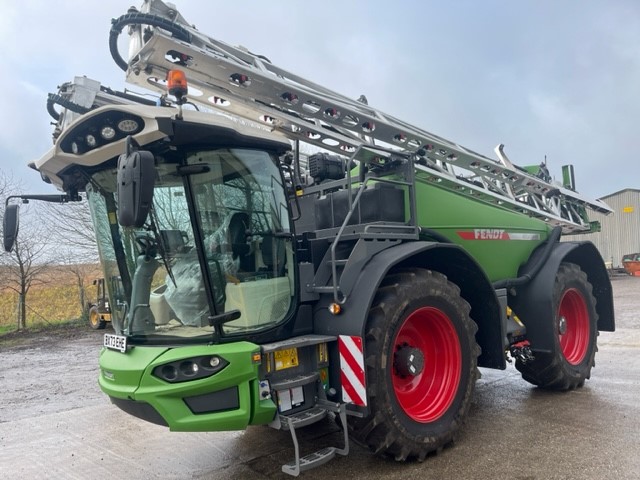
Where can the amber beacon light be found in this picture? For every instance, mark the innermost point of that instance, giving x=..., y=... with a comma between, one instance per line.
x=177, y=84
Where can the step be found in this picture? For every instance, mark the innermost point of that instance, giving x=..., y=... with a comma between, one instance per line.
x=294, y=382
x=302, y=419
x=328, y=289
x=389, y=236
x=310, y=461
x=297, y=342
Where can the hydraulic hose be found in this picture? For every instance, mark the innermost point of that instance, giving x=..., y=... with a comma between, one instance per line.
x=54, y=98
x=52, y=111
x=533, y=271
x=137, y=18
x=435, y=235
x=128, y=96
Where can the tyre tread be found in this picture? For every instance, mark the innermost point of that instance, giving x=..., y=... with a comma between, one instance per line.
x=550, y=370
x=377, y=431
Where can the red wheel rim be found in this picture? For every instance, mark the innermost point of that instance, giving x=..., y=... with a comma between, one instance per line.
x=573, y=326
x=426, y=396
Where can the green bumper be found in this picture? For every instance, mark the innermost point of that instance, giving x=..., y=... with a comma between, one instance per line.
x=228, y=400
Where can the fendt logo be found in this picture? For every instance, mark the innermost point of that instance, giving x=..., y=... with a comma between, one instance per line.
x=496, y=234
x=490, y=234
x=484, y=234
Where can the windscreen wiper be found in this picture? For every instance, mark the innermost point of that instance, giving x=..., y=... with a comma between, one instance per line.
x=153, y=226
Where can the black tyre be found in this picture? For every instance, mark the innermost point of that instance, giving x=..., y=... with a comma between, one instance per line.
x=421, y=361
x=569, y=363
x=95, y=320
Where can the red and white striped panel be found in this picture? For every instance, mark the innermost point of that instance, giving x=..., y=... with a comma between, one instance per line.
x=352, y=370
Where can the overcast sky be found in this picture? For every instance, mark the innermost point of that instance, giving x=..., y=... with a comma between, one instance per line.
x=555, y=78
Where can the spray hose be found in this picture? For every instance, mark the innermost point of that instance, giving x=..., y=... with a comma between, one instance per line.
x=137, y=18
x=527, y=277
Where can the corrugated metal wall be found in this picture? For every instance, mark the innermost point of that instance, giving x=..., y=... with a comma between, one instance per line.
x=620, y=230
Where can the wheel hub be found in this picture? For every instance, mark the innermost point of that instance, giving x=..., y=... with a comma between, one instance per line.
x=409, y=361
x=562, y=325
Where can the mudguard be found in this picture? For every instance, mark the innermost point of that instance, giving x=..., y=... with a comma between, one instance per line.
x=533, y=302
x=449, y=259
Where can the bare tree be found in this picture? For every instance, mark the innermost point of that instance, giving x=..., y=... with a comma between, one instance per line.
x=72, y=226
x=77, y=249
x=7, y=187
x=26, y=265
x=83, y=269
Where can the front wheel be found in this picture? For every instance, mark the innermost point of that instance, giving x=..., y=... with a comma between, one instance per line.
x=574, y=324
x=421, y=360
x=95, y=320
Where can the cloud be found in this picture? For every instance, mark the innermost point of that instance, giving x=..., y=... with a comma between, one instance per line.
x=554, y=115
x=541, y=76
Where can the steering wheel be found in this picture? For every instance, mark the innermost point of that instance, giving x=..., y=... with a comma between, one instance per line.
x=147, y=243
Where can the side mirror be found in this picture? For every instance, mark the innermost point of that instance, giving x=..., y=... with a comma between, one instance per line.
x=10, y=226
x=136, y=178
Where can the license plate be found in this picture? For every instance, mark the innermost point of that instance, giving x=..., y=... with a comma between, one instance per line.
x=286, y=358
x=115, y=342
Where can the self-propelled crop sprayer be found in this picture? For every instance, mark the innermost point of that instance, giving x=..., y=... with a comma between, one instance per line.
x=259, y=286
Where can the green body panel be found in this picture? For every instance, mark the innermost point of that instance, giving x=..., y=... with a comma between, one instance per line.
x=500, y=240
x=119, y=373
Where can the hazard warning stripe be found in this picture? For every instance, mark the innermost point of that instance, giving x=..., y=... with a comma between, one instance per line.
x=352, y=370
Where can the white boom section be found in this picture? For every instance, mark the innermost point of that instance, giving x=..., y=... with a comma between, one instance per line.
x=241, y=84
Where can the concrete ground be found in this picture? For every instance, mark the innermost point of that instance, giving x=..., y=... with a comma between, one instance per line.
x=55, y=423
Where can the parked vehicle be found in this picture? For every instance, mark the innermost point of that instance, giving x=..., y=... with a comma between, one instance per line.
x=98, y=311
x=368, y=281
x=631, y=263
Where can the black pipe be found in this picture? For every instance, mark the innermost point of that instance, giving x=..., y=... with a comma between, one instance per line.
x=438, y=237
x=54, y=98
x=527, y=277
x=137, y=18
x=128, y=96
x=52, y=111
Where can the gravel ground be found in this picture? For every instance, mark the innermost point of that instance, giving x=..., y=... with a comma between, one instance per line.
x=49, y=371
x=55, y=422
x=57, y=370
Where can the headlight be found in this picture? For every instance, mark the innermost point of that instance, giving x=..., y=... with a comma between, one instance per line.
x=190, y=368
x=107, y=132
x=100, y=130
x=127, y=125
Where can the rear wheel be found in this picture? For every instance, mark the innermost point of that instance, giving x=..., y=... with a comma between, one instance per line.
x=421, y=360
x=569, y=363
x=95, y=320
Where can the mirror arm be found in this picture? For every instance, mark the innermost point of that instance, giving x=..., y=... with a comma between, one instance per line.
x=61, y=198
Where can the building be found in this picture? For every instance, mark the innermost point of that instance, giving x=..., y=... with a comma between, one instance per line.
x=620, y=232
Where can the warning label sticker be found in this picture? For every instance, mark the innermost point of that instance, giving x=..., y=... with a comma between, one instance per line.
x=286, y=358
